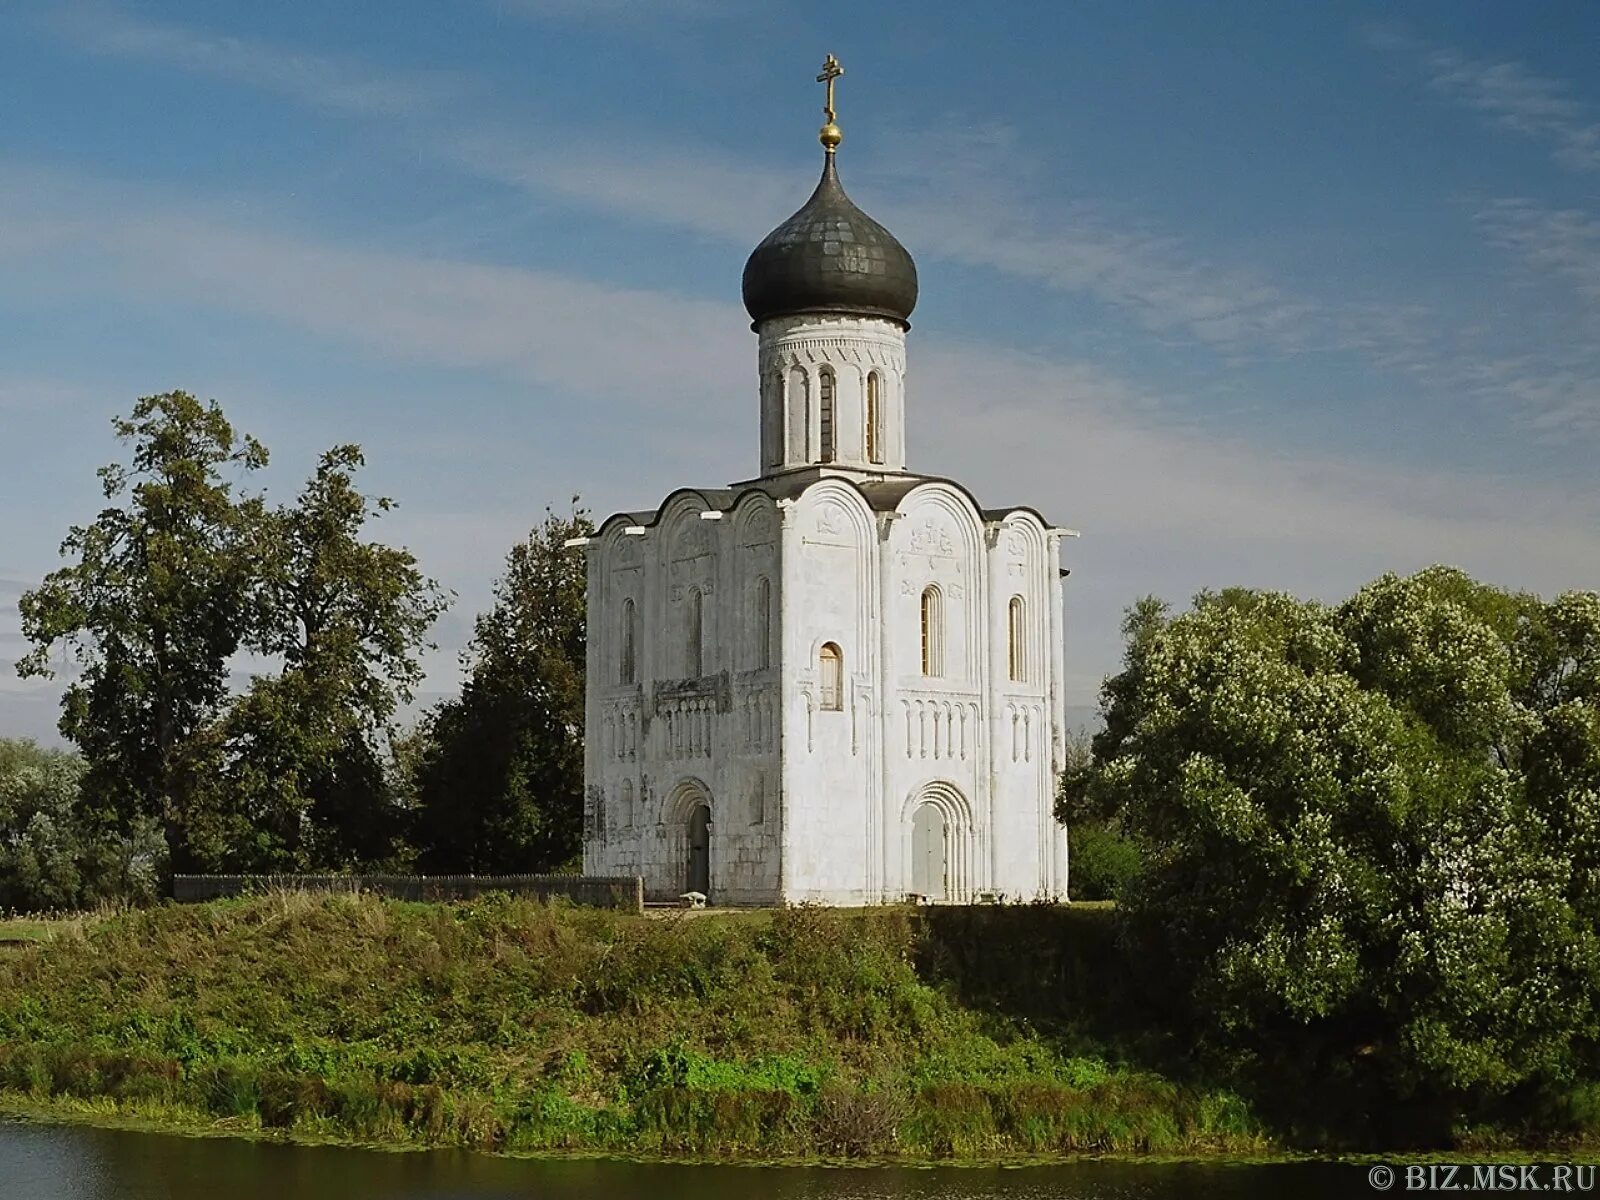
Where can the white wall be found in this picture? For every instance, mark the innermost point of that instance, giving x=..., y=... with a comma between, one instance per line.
x=793, y=353
x=711, y=736
x=810, y=804
x=829, y=545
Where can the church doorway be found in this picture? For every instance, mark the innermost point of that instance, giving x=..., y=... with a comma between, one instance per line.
x=940, y=844
x=700, y=849
x=686, y=829
x=929, y=853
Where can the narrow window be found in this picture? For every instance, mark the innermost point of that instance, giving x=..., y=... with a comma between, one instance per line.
x=932, y=631
x=825, y=392
x=799, y=416
x=831, y=668
x=1016, y=640
x=628, y=627
x=874, y=430
x=763, y=624
x=772, y=422
x=696, y=632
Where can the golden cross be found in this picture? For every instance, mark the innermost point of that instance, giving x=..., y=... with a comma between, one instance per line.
x=831, y=70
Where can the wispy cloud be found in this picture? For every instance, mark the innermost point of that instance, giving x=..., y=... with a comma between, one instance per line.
x=1144, y=271
x=970, y=193
x=542, y=327
x=1171, y=511
x=1551, y=391
x=1555, y=279
x=1552, y=376
x=1165, y=509
x=338, y=84
x=1564, y=243
x=1509, y=96
x=726, y=201
x=1215, y=491
x=985, y=217
x=650, y=351
x=986, y=214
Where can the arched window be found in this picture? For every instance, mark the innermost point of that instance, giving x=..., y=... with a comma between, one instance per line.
x=932, y=631
x=799, y=416
x=772, y=423
x=874, y=419
x=830, y=667
x=763, y=624
x=627, y=802
x=1017, y=640
x=696, y=636
x=825, y=392
x=629, y=625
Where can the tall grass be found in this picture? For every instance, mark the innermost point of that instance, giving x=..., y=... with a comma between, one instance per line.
x=508, y=1024
x=18, y=927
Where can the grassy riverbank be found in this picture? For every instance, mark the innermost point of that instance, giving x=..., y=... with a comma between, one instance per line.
x=506, y=1024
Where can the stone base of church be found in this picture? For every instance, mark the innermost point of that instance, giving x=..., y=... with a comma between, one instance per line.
x=747, y=870
x=836, y=898
x=659, y=891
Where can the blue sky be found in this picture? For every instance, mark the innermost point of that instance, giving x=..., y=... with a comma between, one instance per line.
x=1275, y=295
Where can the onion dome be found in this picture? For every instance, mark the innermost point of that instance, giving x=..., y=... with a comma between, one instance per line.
x=830, y=257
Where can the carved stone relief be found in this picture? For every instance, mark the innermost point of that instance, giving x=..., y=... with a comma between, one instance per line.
x=693, y=540
x=759, y=528
x=680, y=590
x=930, y=538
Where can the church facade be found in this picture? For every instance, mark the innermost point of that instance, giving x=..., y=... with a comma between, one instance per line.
x=839, y=680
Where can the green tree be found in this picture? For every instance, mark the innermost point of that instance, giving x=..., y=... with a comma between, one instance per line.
x=51, y=856
x=1363, y=830
x=500, y=773
x=302, y=749
x=169, y=587
x=1102, y=859
x=154, y=606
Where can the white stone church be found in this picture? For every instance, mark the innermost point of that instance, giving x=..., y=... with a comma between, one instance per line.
x=838, y=681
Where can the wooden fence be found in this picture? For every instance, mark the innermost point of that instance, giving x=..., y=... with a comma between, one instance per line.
x=624, y=892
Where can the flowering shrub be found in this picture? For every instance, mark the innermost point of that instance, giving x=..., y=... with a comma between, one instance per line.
x=1370, y=833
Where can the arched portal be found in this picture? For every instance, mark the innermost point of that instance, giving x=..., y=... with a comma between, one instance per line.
x=687, y=829
x=939, y=844
x=699, y=876
x=929, y=853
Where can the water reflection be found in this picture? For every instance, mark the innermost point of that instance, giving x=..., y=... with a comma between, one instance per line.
x=41, y=1162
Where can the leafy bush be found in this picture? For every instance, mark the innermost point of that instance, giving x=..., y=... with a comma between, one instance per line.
x=53, y=853
x=1102, y=861
x=1368, y=850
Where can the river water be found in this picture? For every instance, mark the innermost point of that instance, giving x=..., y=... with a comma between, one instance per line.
x=58, y=1162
